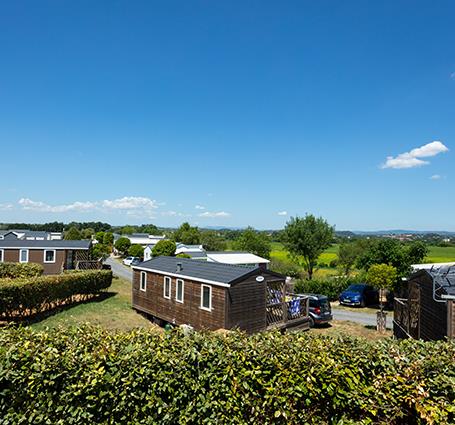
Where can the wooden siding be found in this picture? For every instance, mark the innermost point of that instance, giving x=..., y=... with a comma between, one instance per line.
x=451, y=319
x=37, y=256
x=189, y=312
x=246, y=306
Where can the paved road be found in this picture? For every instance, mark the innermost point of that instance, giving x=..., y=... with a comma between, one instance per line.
x=366, y=319
x=119, y=269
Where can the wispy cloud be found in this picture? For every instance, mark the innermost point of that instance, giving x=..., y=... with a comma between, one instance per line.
x=435, y=177
x=133, y=205
x=413, y=159
x=219, y=214
x=199, y=207
x=6, y=207
x=282, y=213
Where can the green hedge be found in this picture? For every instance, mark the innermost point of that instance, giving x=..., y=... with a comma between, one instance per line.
x=20, y=270
x=330, y=287
x=89, y=375
x=21, y=297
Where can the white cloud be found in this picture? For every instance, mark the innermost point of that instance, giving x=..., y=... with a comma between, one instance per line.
x=6, y=207
x=282, y=213
x=132, y=205
x=199, y=207
x=412, y=159
x=208, y=214
x=435, y=177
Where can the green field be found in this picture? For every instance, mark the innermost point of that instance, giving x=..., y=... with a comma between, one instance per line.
x=436, y=254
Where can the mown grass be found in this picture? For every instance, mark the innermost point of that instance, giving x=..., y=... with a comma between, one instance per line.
x=111, y=312
x=338, y=328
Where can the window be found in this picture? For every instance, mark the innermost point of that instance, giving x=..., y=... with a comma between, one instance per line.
x=206, y=297
x=179, y=290
x=167, y=288
x=23, y=256
x=1, y=255
x=49, y=256
x=143, y=282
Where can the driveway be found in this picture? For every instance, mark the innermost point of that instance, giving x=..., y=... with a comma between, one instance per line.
x=119, y=269
x=367, y=319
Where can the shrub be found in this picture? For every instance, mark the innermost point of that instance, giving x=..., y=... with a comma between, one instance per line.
x=20, y=270
x=330, y=287
x=27, y=296
x=183, y=255
x=122, y=245
x=90, y=375
x=333, y=264
x=288, y=269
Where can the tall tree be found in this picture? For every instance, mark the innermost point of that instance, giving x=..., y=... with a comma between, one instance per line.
x=187, y=234
x=108, y=238
x=211, y=241
x=122, y=245
x=306, y=238
x=72, y=234
x=348, y=254
x=254, y=242
x=164, y=247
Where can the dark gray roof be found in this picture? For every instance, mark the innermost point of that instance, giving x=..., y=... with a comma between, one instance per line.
x=216, y=272
x=37, y=244
x=195, y=254
x=445, y=278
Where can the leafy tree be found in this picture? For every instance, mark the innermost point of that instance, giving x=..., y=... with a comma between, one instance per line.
x=211, y=241
x=122, y=245
x=127, y=230
x=87, y=233
x=99, y=236
x=108, y=238
x=306, y=238
x=348, y=254
x=151, y=229
x=255, y=242
x=393, y=253
x=99, y=251
x=183, y=255
x=73, y=234
x=187, y=234
x=136, y=250
x=383, y=277
x=164, y=247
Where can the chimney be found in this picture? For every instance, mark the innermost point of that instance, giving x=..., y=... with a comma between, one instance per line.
x=179, y=267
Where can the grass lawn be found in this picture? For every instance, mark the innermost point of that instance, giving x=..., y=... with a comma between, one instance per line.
x=440, y=254
x=344, y=328
x=111, y=312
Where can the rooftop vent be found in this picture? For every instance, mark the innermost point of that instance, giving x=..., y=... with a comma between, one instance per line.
x=179, y=267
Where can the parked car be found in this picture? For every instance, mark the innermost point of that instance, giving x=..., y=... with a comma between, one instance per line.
x=320, y=310
x=359, y=294
x=128, y=260
x=136, y=261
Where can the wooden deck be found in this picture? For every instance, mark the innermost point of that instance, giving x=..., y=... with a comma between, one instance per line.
x=290, y=314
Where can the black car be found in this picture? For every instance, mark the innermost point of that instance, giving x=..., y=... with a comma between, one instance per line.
x=319, y=309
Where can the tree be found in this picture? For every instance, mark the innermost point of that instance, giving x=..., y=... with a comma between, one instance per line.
x=164, y=247
x=127, y=230
x=87, y=233
x=187, y=234
x=393, y=253
x=211, y=241
x=136, y=250
x=122, y=245
x=306, y=238
x=72, y=234
x=99, y=236
x=108, y=238
x=255, y=242
x=348, y=253
x=99, y=251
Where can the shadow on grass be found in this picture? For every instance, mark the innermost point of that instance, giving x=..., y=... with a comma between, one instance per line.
x=38, y=317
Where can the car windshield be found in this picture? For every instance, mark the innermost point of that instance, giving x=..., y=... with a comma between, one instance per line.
x=356, y=288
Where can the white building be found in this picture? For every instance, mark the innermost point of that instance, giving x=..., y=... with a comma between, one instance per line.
x=238, y=258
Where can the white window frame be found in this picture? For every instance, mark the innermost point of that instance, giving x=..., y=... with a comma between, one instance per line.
x=202, y=298
x=20, y=255
x=143, y=284
x=177, y=290
x=2, y=255
x=167, y=279
x=55, y=256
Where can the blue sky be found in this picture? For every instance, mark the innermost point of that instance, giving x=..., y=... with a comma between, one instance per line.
x=228, y=113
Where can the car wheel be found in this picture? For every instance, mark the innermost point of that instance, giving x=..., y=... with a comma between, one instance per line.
x=311, y=322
